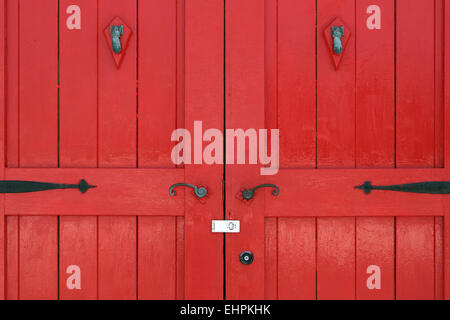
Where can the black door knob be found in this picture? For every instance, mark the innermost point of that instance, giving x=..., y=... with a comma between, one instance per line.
x=246, y=257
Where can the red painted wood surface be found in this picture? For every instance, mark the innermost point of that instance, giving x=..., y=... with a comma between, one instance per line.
x=116, y=92
x=356, y=128
x=244, y=87
x=296, y=83
x=117, y=258
x=375, y=96
x=335, y=91
x=416, y=144
x=415, y=258
x=78, y=87
x=129, y=192
x=12, y=83
x=105, y=109
x=446, y=222
x=157, y=258
x=271, y=259
x=204, y=74
x=12, y=142
x=38, y=122
x=3, y=224
x=415, y=107
x=278, y=74
x=38, y=260
x=375, y=144
x=375, y=247
x=157, y=81
x=335, y=149
x=297, y=258
x=439, y=258
x=336, y=258
x=12, y=258
x=78, y=247
x=78, y=109
x=38, y=143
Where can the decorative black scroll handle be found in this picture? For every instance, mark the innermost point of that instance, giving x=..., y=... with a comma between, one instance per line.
x=248, y=194
x=10, y=186
x=432, y=187
x=200, y=192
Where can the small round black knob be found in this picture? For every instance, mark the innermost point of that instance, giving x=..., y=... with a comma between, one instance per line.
x=246, y=257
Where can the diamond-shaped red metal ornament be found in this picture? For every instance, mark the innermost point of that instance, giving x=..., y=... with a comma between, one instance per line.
x=337, y=58
x=124, y=40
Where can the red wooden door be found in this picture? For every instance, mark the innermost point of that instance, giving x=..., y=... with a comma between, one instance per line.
x=71, y=114
x=378, y=117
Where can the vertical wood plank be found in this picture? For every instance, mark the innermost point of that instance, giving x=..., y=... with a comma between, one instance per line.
x=117, y=148
x=447, y=146
x=12, y=84
x=271, y=65
x=335, y=149
x=271, y=122
x=78, y=247
x=244, y=67
x=117, y=90
x=38, y=257
x=157, y=258
x=447, y=253
x=446, y=48
x=157, y=81
x=297, y=82
x=38, y=83
x=78, y=109
x=438, y=258
x=375, y=247
x=38, y=141
x=12, y=258
x=78, y=86
x=336, y=258
x=375, y=142
x=335, y=91
x=271, y=259
x=204, y=100
x=375, y=110
x=180, y=63
x=180, y=259
x=417, y=108
x=297, y=258
x=439, y=113
x=117, y=258
x=2, y=146
x=415, y=258
x=415, y=84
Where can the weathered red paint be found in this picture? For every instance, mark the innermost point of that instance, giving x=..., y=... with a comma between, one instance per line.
x=119, y=140
x=353, y=126
x=71, y=114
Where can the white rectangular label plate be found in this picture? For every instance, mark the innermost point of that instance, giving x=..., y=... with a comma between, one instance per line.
x=227, y=226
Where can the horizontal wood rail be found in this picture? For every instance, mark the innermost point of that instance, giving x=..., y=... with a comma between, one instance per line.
x=124, y=192
x=330, y=192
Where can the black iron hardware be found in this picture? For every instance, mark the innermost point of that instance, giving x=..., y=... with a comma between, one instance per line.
x=199, y=192
x=10, y=186
x=248, y=194
x=116, y=33
x=432, y=187
x=246, y=257
x=337, y=33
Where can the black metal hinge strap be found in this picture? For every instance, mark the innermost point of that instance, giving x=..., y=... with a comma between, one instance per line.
x=432, y=187
x=10, y=186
